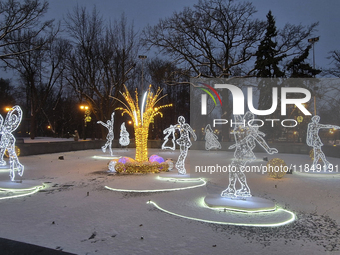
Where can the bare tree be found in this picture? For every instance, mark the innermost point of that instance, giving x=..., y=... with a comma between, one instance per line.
x=102, y=59
x=16, y=17
x=39, y=70
x=335, y=58
x=211, y=39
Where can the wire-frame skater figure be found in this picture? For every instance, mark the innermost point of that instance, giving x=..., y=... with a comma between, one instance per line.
x=313, y=140
x=183, y=141
x=7, y=142
x=110, y=135
x=245, y=138
x=211, y=140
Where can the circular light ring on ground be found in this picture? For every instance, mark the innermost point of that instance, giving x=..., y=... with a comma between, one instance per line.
x=158, y=190
x=291, y=219
x=32, y=191
x=162, y=178
x=107, y=157
x=248, y=205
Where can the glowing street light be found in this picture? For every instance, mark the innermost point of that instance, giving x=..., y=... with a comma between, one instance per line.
x=87, y=117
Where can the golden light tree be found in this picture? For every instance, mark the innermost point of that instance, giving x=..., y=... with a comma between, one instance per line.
x=142, y=117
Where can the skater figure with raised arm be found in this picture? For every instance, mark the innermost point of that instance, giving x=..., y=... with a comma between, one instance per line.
x=110, y=135
x=313, y=140
x=7, y=141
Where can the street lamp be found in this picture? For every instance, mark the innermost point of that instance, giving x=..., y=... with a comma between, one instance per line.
x=87, y=117
x=142, y=57
x=313, y=41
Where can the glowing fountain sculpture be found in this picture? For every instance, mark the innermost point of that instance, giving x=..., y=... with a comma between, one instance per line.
x=142, y=117
x=245, y=137
x=7, y=141
x=183, y=141
x=124, y=139
x=314, y=140
x=211, y=140
x=110, y=135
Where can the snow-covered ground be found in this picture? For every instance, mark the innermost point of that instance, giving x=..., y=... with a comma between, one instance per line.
x=75, y=213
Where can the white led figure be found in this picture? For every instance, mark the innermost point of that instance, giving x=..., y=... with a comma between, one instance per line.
x=245, y=137
x=211, y=140
x=183, y=141
x=110, y=135
x=7, y=141
x=169, y=131
x=314, y=141
x=124, y=139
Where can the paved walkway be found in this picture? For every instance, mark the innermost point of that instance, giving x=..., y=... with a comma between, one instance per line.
x=11, y=247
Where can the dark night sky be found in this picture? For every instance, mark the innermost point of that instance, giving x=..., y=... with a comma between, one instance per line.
x=293, y=11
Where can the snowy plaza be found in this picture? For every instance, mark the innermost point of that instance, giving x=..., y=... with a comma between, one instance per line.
x=76, y=213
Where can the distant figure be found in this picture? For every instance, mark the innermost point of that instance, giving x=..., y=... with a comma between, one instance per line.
x=313, y=140
x=110, y=135
x=76, y=135
x=7, y=141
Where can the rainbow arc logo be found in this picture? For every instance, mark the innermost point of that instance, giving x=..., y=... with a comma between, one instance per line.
x=204, y=97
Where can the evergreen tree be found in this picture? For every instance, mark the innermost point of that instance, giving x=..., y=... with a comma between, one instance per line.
x=267, y=66
x=299, y=68
x=267, y=62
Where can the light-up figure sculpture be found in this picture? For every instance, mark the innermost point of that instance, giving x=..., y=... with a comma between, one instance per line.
x=245, y=138
x=110, y=135
x=142, y=117
x=124, y=139
x=169, y=131
x=7, y=141
x=183, y=141
x=211, y=140
x=314, y=140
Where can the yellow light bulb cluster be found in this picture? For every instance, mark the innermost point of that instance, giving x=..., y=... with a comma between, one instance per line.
x=142, y=120
x=141, y=167
x=276, y=168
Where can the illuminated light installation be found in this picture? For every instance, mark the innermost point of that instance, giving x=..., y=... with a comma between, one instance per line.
x=279, y=210
x=314, y=141
x=170, y=163
x=141, y=167
x=277, y=168
x=30, y=191
x=245, y=137
x=169, y=131
x=142, y=119
x=7, y=142
x=211, y=140
x=156, y=158
x=183, y=141
x=125, y=160
x=111, y=165
x=203, y=183
x=110, y=135
x=124, y=139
